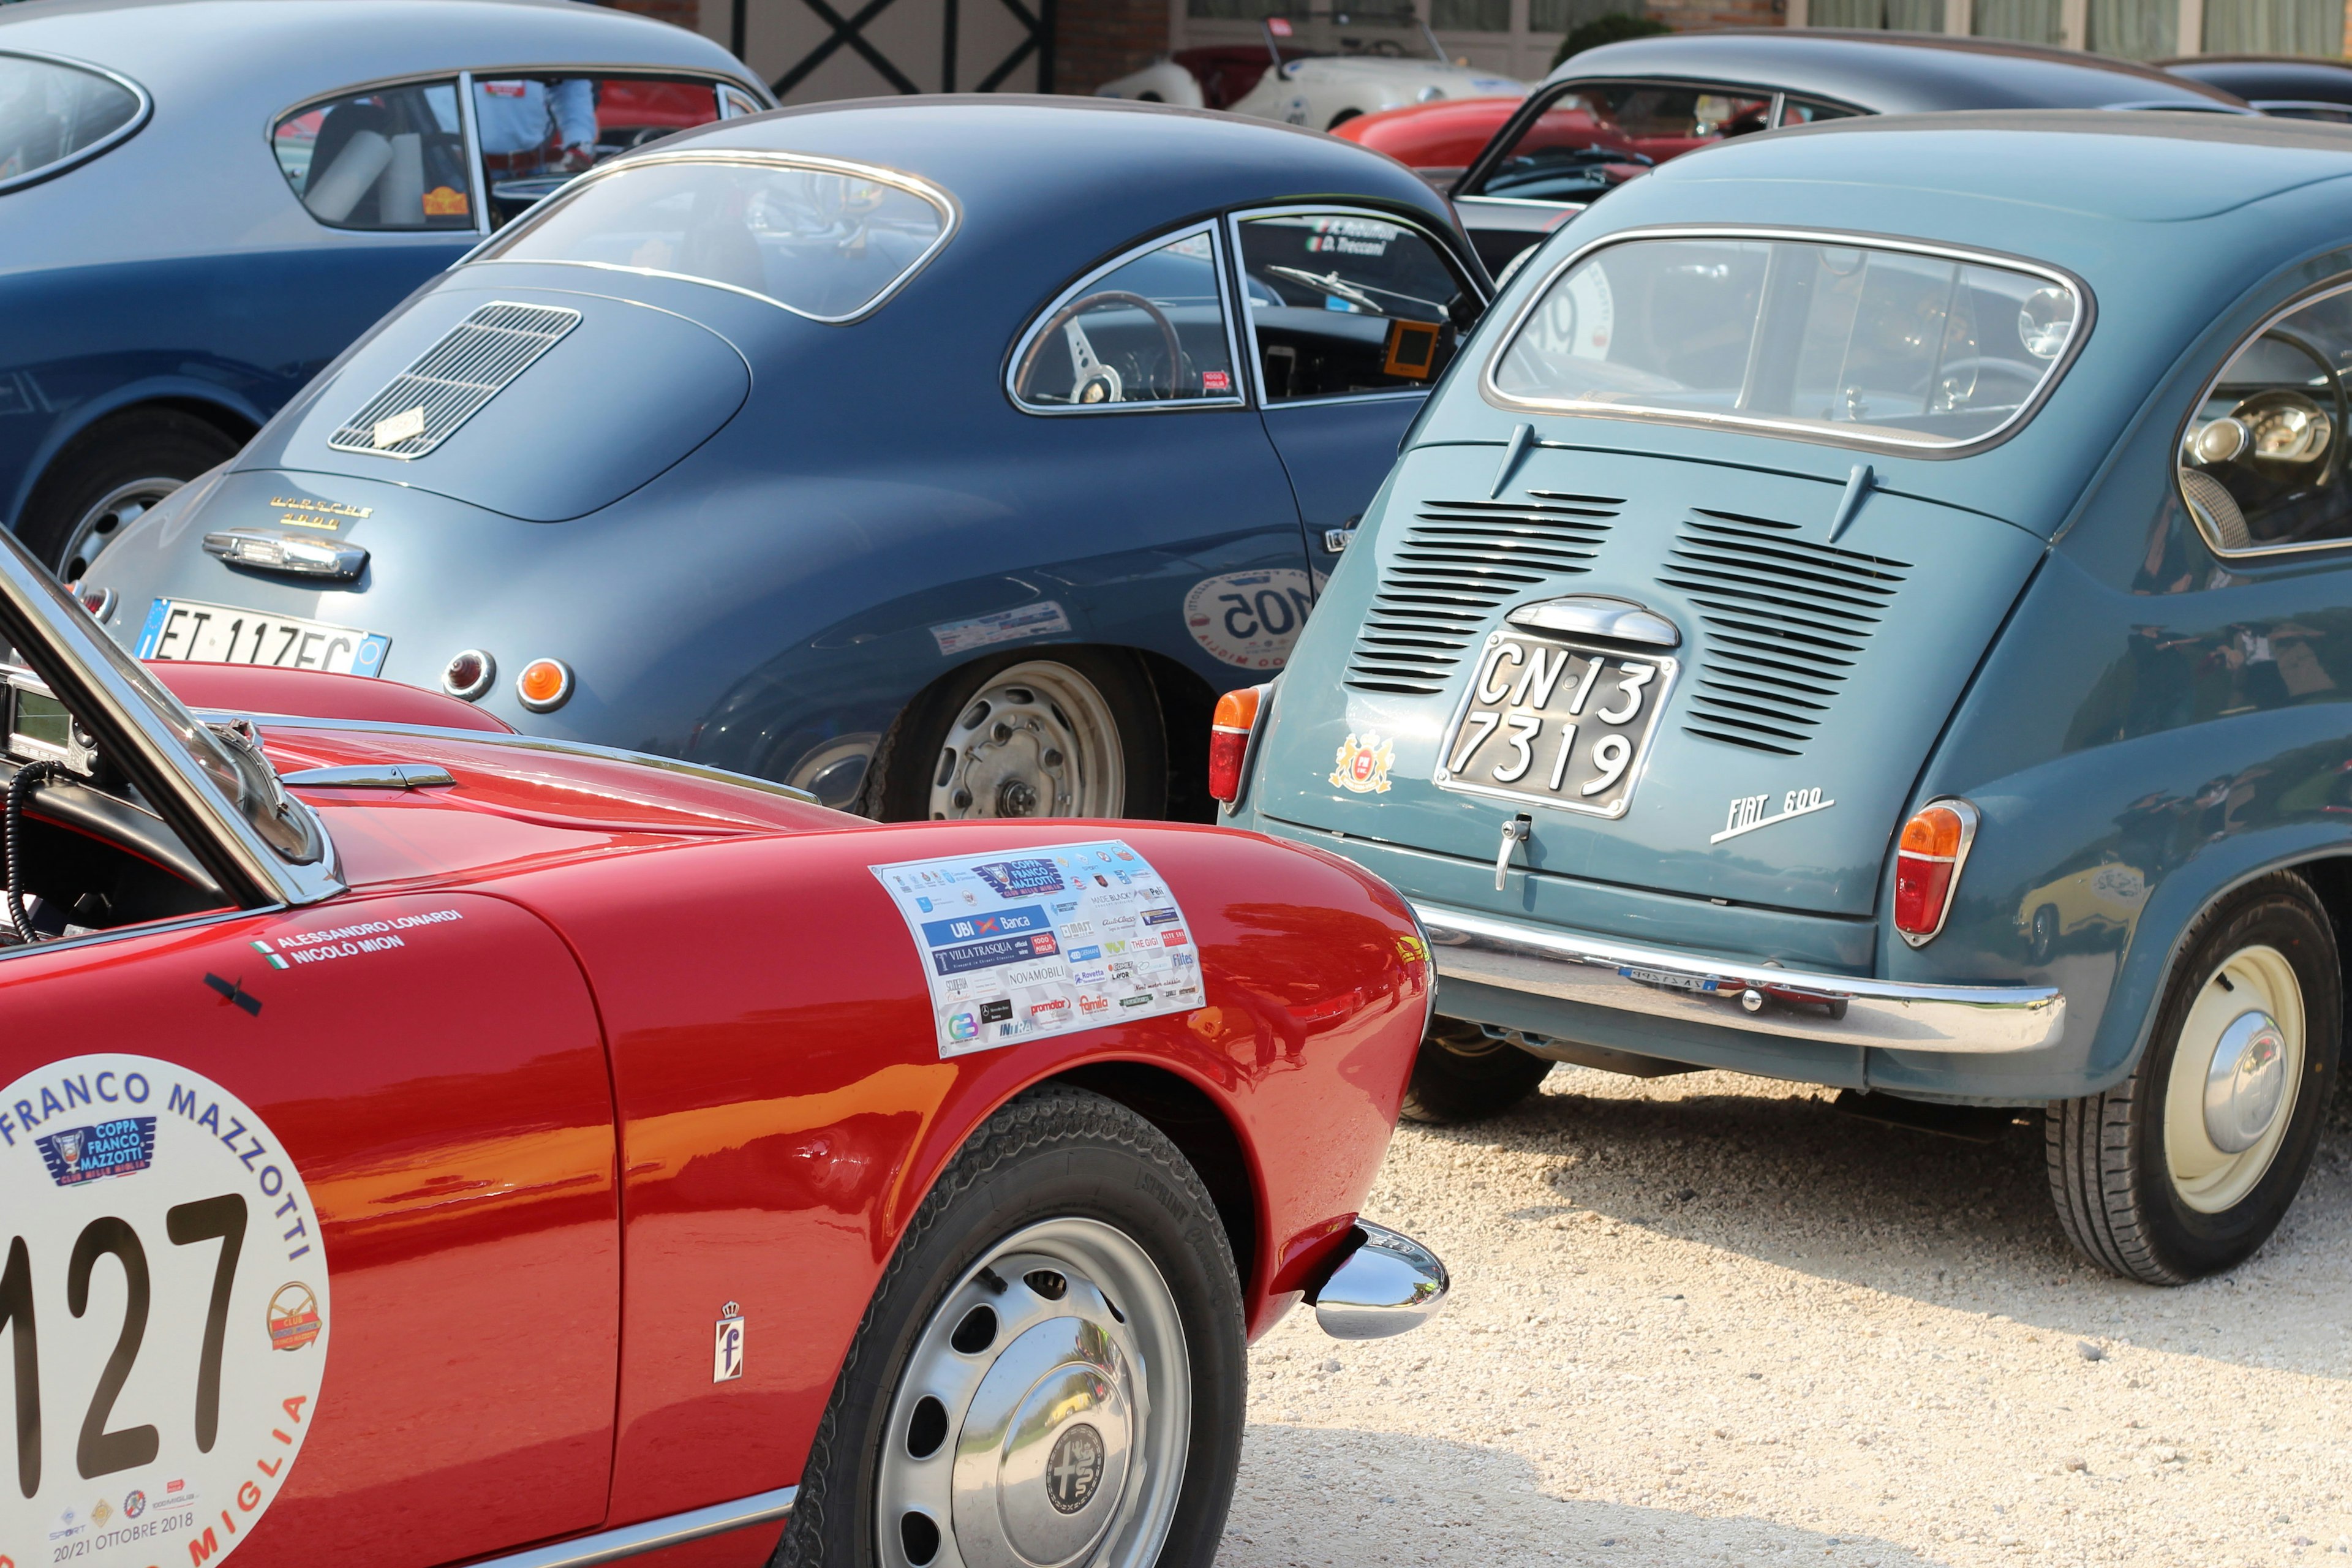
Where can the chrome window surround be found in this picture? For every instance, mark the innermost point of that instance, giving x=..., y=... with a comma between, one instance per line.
x=950, y=219
x=1240, y=398
x=465, y=81
x=2343, y=284
x=80, y=667
x=2085, y=319
x=1475, y=287
x=105, y=144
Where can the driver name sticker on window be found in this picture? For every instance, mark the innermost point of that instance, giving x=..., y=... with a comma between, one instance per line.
x=1029, y=943
x=165, y=1293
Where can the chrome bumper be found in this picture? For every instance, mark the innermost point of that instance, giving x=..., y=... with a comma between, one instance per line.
x=1385, y=1283
x=1741, y=992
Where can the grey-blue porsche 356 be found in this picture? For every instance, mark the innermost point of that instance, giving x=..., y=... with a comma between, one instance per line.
x=947, y=457
x=206, y=201
x=1851, y=619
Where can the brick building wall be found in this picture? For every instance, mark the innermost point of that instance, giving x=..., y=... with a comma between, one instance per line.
x=1101, y=40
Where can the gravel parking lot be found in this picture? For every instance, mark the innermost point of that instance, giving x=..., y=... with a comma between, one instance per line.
x=1709, y=1319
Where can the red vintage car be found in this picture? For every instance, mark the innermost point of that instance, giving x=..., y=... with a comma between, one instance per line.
x=422, y=1144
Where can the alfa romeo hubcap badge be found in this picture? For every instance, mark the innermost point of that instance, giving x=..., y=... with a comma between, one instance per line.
x=1075, y=1468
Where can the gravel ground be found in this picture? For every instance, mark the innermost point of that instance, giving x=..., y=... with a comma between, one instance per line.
x=1708, y=1319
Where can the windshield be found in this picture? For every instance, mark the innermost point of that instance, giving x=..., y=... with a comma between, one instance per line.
x=829, y=242
x=1864, y=344
x=52, y=113
x=1375, y=34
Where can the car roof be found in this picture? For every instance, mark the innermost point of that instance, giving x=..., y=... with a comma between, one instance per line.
x=2270, y=76
x=1117, y=167
x=285, y=51
x=1894, y=73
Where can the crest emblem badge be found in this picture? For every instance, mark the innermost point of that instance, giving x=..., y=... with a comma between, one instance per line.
x=1363, y=764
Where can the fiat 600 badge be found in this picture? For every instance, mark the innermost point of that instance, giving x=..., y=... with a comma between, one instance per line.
x=1842, y=622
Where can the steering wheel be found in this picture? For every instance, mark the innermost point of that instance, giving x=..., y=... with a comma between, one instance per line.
x=1091, y=380
x=2282, y=416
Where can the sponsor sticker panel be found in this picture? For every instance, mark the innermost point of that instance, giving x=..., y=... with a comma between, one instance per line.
x=1044, y=941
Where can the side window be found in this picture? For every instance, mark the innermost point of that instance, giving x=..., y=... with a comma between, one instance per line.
x=538, y=131
x=1150, y=329
x=1811, y=111
x=391, y=158
x=1343, y=303
x=54, y=114
x=1599, y=134
x=2261, y=463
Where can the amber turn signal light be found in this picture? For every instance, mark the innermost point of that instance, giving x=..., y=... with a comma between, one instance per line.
x=1229, y=737
x=1927, y=867
x=544, y=685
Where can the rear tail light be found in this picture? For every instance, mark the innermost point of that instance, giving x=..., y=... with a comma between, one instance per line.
x=1927, y=867
x=1229, y=739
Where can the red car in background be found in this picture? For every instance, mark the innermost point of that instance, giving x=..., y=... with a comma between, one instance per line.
x=425, y=1144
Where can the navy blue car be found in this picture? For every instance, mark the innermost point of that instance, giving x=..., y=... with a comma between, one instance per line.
x=206, y=201
x=944, y=457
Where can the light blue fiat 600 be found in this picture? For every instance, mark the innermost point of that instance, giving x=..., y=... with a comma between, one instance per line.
x=1860, y=615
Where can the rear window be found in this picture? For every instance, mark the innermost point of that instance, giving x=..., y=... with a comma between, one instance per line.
x=823, y=240
x=53, y=115
x=1867, y=345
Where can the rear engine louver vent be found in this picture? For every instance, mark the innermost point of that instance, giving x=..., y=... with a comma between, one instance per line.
x=1458, y=560
x=450, y=382
x=1786, y=623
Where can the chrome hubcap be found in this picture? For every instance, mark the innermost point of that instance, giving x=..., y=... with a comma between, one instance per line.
x=2232, y=1093
x=1045, y=1413
x=1036, y=740
x=96, y=528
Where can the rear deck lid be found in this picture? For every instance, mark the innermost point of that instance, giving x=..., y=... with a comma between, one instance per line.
x=1670, y=666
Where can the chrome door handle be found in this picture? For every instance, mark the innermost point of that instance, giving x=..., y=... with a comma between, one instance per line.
x=1515, y=832
x=1335, y=540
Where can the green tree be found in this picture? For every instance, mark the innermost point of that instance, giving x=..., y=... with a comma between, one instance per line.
x=1614, y=27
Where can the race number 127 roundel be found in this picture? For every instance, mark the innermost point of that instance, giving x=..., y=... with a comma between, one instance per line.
x=165, y=1320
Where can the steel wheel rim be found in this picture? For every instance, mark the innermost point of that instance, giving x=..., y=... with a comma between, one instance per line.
x=1060, y=1441
x=2208, y=1177
x=96, y=528
x=1037, y=740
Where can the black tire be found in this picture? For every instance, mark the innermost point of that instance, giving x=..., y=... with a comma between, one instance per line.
x=899, y=784
x=1464, y=1074
x=1054, y=1153
x=2110, y=1174
x=140, y=456
x=1342, y=118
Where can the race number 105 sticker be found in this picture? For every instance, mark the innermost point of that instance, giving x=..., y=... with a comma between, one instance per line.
x=164, y=1316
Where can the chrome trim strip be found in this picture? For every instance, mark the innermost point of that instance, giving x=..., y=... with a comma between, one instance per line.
x=2086, y=319
x=653, y=1534
x=521, y=742
x=1225, y=308
x=950, y=216
x=1742, y=993
x=111, y=140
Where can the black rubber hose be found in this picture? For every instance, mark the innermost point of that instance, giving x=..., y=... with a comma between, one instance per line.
x=28, y=778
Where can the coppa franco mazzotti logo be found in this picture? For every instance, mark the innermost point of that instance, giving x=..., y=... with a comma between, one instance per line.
x=163, y=1206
